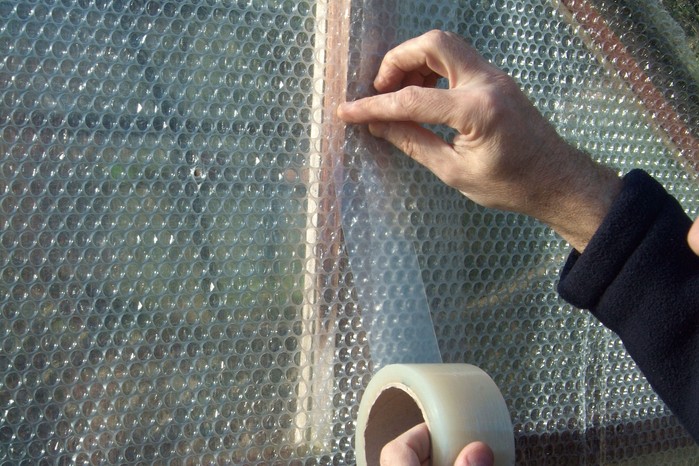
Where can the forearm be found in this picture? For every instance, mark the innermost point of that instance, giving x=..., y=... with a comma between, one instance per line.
x=639, y=277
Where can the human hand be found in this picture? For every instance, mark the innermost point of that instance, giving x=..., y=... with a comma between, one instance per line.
x=505, y=155
x=412, y=448
x=693, y=237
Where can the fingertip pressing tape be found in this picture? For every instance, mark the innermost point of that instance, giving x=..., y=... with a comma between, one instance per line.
x=459, y=402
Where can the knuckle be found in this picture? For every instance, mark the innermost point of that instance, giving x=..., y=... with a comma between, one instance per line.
x=411, y=148
x=439, y=39
x=389, y=57
x=489, y=101
x=408, y=99
x=437, y=36
x=495, y=102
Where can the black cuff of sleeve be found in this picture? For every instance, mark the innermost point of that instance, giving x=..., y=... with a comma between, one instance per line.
x=586, y=276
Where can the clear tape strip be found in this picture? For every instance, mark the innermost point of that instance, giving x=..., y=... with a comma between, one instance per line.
x=382, y=256
x=385, y=266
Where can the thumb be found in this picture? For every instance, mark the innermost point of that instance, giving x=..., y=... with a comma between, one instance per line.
x=475, y=454
x=693, y=237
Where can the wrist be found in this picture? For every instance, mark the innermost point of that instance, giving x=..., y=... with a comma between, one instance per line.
x=579, y=198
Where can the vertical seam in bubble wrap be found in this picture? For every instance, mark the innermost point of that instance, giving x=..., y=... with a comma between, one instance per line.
x=323, y=232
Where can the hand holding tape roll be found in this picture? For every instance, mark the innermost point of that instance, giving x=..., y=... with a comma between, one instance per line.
x=459, y=403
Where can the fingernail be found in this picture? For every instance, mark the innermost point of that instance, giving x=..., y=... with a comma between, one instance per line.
x=479, y=460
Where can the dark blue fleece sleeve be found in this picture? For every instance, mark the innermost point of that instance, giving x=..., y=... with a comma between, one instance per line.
x=639, y=277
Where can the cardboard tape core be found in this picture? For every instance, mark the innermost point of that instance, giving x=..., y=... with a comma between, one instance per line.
x=394, y=411
x=459, y=402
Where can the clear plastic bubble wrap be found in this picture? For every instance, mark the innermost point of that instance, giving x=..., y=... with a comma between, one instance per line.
x=200, y=265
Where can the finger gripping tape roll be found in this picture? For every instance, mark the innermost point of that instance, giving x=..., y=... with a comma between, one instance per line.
x=459, y=402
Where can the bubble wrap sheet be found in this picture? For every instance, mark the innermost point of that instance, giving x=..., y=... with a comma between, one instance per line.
x=200, y=265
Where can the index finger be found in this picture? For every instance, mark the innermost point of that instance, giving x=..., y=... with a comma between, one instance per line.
x=436, y=52
x=423, y=105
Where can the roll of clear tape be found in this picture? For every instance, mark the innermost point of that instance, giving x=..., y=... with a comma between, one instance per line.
x=459, y=402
